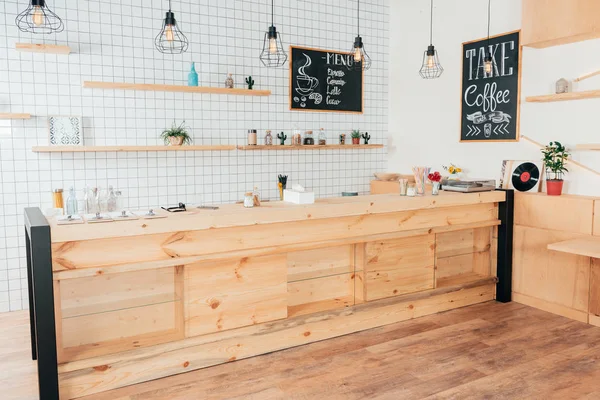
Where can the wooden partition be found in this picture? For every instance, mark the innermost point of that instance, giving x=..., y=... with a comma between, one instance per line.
x=553, y=281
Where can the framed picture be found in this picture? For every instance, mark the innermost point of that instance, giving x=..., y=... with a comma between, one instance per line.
x=65, y=130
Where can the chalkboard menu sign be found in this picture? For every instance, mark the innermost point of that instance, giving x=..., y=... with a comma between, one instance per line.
x=321, y=81
x=490, y=101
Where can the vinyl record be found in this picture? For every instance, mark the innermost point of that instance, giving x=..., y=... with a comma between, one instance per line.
x=525, y=177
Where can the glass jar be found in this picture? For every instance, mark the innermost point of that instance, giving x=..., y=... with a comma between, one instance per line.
x=322, y=137
x=252, y=137
x=72, y=202
x=308, y=138
x=111, y=203
x=411, y=191
x=57, y=198
x=249, y=200
x=268, y=139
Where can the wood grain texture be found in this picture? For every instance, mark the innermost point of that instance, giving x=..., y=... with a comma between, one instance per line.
x=548, y=23
x=551, y=98
x=235, y=215
x=173, y=88
x=229, y=294
x=14, y=116
x=320, y=294
x=42, y=48
x=561, y=213
x=280, y=335
x=596, y=218
x=559, y=278
x=397, y=267
x=309, y=264
x=588, y=247
x=588, y=146
x=594, y=308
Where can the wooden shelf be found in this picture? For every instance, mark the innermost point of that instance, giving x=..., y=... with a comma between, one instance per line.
x=42, y=48
x=587, y=247
x=82, y=149
x=591, y=146
x=462, y=279
x=173, y=88
x=14, y=116
x=549, y=98
x=314, y=147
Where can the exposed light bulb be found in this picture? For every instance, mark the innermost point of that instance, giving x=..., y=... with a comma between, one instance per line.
x=169, y=33
x=273, y=46
x=38, y=16
x=430, y=62
x=487, y=66
x=357, y=55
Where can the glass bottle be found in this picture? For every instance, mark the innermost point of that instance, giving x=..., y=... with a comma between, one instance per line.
x=120, y=201
x=111, y=203
x=308, y=138
x=322, y=137
x=72, y=202
x=248, y=200
x=57, y=198
x=92, y=201
x=268, y=139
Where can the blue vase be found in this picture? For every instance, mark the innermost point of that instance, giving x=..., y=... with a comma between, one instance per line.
x=193, y=76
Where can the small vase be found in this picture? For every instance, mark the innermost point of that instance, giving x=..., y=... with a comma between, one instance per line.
x=435, y=188
x=229, y=81
x=175, y=140
x=193, y=76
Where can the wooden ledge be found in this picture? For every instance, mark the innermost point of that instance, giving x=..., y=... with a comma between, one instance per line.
x=173, y=88
x=42, y=48
x=587, y=247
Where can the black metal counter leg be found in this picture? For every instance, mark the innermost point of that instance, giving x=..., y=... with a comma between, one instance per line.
x=505, y=247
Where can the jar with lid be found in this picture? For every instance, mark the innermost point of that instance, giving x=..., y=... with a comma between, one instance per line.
x=252, y=137
x=268, y=139
x=322, y=137
x=308, y=138
x=57, y=198
x=296, y=137
x=249, y=200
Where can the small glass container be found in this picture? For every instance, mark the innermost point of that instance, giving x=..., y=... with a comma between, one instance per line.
x=411, y=191
x=297, y=139
x=71, y=202
x=342, y=138
x=322, y=137
x=308, y=138
x=111, y=203
x=435, y=188
x=57, y=198
x=249, y=200
x=268, y=139
x=403, y=186
x=252, y=137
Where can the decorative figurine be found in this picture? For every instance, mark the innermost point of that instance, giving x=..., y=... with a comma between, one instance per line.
x=562, y=86
x=282, y=137
x=342, y=138
x=366, y=137
x=229, y=81
x=268, y=139
x=193, y=76
x=250, y=82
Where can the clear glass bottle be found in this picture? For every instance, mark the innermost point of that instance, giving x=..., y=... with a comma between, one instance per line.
x=268, y=139
x=120, y=200
x=92, y=201
x=111, y=203
x=71, y=202
x=322, y=137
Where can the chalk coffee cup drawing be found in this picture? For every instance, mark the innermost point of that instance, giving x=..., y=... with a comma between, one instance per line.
x=306, y=84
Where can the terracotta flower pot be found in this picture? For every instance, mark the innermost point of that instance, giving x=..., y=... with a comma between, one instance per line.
x=175, y=140
x=356, y=140
x=554, y=187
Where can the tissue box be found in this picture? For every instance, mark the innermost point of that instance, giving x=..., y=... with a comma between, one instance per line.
x=292, y=196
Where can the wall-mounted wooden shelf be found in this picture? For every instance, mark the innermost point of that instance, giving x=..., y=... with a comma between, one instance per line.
x=549, y=98
x=591, y=146
x=14, y=116
x=173, y=88
x=42, y=48
x=82, y=149
x=315, y=147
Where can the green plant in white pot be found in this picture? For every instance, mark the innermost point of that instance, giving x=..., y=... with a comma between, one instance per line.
x=555, y=159
x=176, y=135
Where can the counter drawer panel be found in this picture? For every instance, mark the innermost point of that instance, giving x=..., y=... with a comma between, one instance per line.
x=320, y=262
x=320, y=294
x=229, y=294
x=397, y=267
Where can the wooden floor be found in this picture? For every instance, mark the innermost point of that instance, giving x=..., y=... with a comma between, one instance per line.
x=487, y=351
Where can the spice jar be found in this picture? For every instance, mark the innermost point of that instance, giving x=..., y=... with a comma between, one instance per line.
x=322, y=137
x=268, y=139
x=308, y=138
x=249, y=200
x=296, y=139
x=252, y=137
x=57, y=198
x=411, y=191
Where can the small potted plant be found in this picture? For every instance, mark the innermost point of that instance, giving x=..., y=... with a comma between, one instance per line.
x=355, y=137
x=435, y=179
x=555, y=158
x=176, y=136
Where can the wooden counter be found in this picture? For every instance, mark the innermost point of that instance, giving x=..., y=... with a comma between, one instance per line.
x=139, y=300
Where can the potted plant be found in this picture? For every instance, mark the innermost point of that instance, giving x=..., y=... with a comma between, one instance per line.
x=435, y=179
x=176, y=136
x=555, y=158
x=355, y=137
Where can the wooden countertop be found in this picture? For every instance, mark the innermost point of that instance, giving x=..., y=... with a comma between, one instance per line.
x=231, y=215
x=588, y=247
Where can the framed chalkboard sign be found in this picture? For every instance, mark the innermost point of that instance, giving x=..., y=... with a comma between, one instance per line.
x=491, y=101
x=321, y=81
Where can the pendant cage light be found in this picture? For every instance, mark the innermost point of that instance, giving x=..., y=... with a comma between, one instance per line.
x=171, y=40
x=38, y=18
x=360, y=57
x=273, y=55
x=431, y=67
x=488, y=62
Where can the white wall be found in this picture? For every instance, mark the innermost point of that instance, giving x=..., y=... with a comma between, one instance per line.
x=113, y=40
x=425, y=114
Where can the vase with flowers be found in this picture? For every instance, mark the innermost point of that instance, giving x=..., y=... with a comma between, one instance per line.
x=435, y=179
x=454, y=171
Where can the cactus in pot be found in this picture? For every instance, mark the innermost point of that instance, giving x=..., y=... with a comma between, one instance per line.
x=366, y=137
x=282, y=137
x=250, y=82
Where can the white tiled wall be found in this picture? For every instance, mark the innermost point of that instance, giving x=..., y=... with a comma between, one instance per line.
x=113, y=40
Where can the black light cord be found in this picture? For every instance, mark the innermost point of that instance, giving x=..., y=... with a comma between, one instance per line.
x=489, y=18
x=169, y=5
x=431, y=26
x=272, y=12
x=358, y=16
